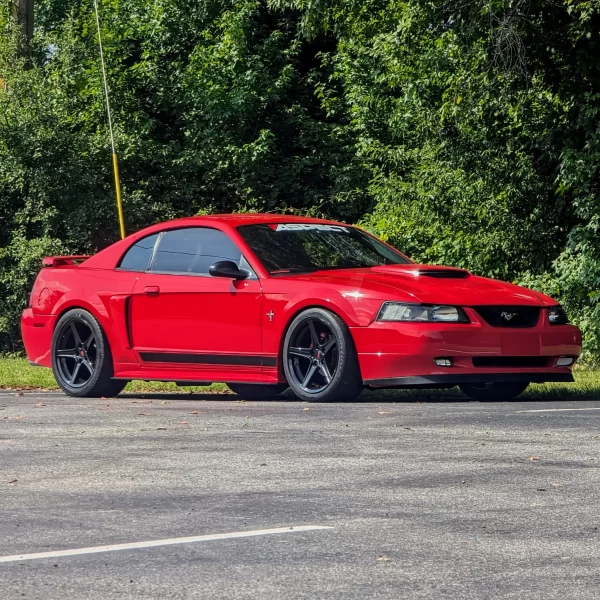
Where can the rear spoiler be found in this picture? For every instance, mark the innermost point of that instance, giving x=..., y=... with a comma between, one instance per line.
x=62, y=261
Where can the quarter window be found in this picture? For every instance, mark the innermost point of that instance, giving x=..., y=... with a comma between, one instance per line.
x=139, y=255
x=193, y=251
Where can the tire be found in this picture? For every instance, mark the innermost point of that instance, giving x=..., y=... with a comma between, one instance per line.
x=257, y=391
x=319, y=358
x=81, y=359
x=493, y=391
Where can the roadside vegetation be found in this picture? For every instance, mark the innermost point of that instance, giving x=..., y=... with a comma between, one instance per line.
x=17, y=375
x=465, y=133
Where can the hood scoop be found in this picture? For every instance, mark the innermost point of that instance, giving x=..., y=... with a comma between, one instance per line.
x=415, y=270
x=445, y=273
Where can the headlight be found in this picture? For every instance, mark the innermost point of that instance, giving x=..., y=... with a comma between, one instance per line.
x=421, y=313
x=557, y=315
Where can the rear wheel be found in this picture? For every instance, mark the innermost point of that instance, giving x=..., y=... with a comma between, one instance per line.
x=257, y=391
x=493, y=391
x=319, y=358
x=81, y=358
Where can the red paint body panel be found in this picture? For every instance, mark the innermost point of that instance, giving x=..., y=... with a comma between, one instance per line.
x=196, y=314
x=388, y=350
x=213, y=319
x=37, y=336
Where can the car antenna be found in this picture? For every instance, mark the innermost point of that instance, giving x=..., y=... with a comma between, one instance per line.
x=115, y=159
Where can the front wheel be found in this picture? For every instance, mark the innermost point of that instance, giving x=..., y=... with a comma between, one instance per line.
x=81, y=358
x=319, y=358
x=493, y=391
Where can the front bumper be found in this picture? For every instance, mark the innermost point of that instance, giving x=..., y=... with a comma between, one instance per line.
x=402, y=354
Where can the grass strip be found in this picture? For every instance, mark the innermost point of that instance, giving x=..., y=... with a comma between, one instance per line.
x=16, y=374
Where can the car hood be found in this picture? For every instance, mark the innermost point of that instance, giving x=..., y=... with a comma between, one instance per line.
x=428, y=284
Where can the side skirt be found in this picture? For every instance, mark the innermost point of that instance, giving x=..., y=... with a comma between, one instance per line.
x=199, y=369
x=189, y=376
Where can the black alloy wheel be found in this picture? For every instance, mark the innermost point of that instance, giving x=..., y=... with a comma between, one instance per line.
x=76, y=352
x=313, y=356
x=320, y=361
x=493, y=391
x=81, y=358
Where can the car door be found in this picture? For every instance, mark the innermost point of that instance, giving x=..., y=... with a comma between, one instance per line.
x=182, y=315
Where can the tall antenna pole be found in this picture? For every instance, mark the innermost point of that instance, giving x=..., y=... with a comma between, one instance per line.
x=110, y=128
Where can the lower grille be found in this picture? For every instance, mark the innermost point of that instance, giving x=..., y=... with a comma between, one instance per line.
x=511, y=361
x=509, y=316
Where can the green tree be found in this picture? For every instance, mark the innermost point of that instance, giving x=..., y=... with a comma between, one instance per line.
x=464, y=132
x=479, y=123
x=217, y=105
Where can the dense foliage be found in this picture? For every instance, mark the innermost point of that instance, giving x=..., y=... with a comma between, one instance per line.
x=465, y=132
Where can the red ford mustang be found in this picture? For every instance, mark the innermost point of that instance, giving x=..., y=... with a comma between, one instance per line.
x=265, y=302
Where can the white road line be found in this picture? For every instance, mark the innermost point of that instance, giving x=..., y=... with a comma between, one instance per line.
x=555, y=410
x=155, y=543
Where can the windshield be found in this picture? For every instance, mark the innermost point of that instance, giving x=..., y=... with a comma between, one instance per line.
x=305, y=247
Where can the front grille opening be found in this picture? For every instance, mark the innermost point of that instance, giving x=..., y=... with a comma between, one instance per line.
x=445, y=273
x=509, y=316
x=511, y=361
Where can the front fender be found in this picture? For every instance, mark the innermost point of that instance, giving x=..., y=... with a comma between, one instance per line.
x=354, y=309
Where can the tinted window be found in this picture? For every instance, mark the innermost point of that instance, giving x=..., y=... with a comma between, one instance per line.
x=193, y=250
x=305, y=247
x=139, y=255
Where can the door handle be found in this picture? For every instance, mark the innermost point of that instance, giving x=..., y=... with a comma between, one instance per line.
x=151, y=290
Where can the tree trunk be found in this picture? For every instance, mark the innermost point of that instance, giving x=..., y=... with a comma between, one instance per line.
x=24, y=10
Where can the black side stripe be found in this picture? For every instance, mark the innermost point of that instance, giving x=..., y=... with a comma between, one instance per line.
x=209, y=359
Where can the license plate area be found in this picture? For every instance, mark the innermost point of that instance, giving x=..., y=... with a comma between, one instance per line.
x=521, y=344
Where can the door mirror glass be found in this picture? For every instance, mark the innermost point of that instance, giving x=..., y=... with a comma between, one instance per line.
x=227, y=268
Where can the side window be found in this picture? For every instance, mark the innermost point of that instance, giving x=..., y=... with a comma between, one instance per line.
x=193, y=250
x=139, y=255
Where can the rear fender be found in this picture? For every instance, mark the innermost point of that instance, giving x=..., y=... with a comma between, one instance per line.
x=103, y=293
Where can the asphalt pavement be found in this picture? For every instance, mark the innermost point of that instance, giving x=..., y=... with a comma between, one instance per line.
x=427, y=499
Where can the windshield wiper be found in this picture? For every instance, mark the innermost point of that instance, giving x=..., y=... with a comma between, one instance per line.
x=297, y=270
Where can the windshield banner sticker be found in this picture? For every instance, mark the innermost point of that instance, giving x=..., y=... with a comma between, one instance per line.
x=309, y=227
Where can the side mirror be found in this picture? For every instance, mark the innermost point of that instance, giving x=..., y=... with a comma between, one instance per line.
x=227, y=268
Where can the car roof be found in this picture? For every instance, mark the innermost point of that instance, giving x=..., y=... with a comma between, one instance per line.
x=109, y=256
x=235, y=220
